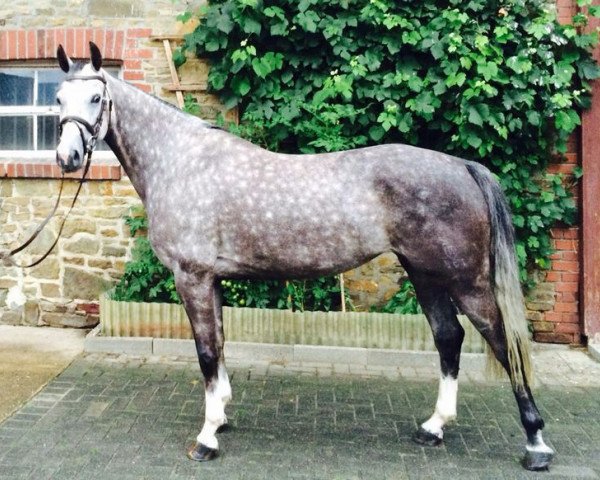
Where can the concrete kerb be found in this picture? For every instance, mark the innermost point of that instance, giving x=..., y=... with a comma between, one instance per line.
x=275, y=353
x=594, y=351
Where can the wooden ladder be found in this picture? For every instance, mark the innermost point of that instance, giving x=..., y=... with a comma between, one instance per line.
x=176, y=86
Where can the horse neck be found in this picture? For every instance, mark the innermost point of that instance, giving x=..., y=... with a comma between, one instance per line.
x=139, y=121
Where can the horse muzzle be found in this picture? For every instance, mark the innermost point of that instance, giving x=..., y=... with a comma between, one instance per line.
x=69, y=163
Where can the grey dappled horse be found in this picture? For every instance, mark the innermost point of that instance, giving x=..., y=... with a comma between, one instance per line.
x=219, y=207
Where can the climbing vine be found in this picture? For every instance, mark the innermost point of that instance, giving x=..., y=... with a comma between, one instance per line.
x=502, y=83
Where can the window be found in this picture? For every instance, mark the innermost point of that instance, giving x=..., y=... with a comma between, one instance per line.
x=28, y=109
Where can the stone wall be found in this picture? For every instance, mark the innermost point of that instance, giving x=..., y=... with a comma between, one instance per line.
x=90, y=255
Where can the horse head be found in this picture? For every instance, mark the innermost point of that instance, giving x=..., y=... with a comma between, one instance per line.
x=85, y=108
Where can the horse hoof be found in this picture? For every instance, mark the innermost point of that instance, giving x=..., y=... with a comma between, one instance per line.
x=226, y=427
x=537, y=461
x=423, y=437
x=202, y=453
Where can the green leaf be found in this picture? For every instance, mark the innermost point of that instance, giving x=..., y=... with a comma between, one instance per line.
x=533, y=117
x=241, y=85
x=474, y=140
x=308, y=20
x=376, y=132
x=478, y=113
x=489, y=70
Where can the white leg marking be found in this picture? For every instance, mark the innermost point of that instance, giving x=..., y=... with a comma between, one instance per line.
x=445, y=407
x=216, y=397
x=538, y=444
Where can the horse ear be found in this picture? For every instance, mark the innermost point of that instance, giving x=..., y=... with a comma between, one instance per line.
x=95, y=56
x=63, y=60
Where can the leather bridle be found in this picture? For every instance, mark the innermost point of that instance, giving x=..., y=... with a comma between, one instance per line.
x=93, y=129
x=88, y=147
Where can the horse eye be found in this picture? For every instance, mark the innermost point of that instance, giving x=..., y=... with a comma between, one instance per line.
x=58, y=100
x=96, y=98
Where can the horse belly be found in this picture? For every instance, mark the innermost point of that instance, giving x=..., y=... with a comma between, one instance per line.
x=269, y=250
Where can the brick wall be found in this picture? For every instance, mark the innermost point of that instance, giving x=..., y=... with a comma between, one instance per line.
x=556, y=313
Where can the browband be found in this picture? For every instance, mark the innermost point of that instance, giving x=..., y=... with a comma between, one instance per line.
x=86, y=77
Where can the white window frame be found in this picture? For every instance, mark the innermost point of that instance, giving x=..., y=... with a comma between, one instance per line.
x=39, y=111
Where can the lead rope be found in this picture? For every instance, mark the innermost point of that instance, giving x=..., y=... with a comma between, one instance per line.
x=6, y=257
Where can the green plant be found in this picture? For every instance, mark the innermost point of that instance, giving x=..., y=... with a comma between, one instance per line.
x=497, y=82
x=145, y=279
x=404, y=301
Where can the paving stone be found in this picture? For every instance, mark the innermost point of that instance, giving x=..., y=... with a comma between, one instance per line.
x=127, y=418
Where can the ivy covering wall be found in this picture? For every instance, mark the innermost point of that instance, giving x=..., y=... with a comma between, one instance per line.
x=502, y=83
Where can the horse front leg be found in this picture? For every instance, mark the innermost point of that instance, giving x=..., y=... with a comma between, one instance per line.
x=202, y=302
x=448, y=336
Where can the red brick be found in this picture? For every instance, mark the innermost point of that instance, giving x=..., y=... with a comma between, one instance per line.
x=564, y=168
x=570, y=233
x=109, y=46
x=566, y=287
x=31, y=50
x=545, y=337
x=70, y=41
x=564, y=244
x=88, y=36
x=553, y=317
x=3, y=45
x=61, y=38
x=80, y=45
x=50, y=43
x=133, y=75
x=570, y=256
x=99, y=38
x=12, y=45
x=565, y=266
x=41, y=44
x=89, y=308
x=21, y=44
x=138, y=53
x=556, y=256
x=565, y=307
x=130, y=64
x=567, y=296
x=119, y=44
x=567, y=328
x=572, y=158
x=569, y=318
x=144, y=87
x=570, y=277
x=554, y=276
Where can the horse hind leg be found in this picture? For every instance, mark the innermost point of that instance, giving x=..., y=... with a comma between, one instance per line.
x=479, y=304
x=448, y=336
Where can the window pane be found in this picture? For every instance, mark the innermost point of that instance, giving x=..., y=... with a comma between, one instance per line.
x=47, y=132
x=48, y=82
x=16, y=87
x=16, y=133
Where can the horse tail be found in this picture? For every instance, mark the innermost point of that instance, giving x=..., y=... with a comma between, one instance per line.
x=507, y=287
